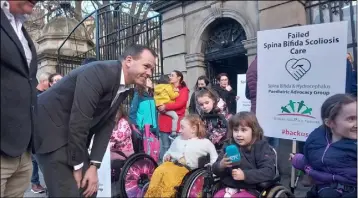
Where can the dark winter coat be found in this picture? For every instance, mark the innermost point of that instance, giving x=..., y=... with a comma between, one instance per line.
x=339, y=159
x=251, y=80
x=228, y=96
x=351, y=79
x=258, y=165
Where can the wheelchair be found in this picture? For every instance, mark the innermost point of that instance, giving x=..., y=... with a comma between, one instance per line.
x=130, y=174
x=200, y=182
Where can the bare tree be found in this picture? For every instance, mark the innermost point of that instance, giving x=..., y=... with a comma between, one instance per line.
x=128, y=19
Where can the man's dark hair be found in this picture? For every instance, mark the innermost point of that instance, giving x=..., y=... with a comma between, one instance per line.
x=88, y=60
x=136, y=50
x=164, y=79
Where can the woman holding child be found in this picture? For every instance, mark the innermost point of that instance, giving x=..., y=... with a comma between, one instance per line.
x=178, y=106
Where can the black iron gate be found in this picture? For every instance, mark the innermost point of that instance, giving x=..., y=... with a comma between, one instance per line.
x=114, y=31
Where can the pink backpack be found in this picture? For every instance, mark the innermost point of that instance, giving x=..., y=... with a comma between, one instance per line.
x=151, y=144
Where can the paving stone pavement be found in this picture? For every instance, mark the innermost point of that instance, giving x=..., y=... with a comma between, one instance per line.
x=284, y=166
x=28, y=192
x=300, y=191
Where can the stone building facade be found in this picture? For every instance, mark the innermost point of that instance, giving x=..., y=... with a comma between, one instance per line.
x=187, y=33
x=53, y=35
x=186, y=28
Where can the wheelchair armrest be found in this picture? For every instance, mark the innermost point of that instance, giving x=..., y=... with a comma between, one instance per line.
x=202, y=161
x=268, y=184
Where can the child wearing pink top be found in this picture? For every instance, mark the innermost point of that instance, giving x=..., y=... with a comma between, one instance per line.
x=121, y=138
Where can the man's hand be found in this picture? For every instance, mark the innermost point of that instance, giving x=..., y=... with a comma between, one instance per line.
x=77, y=174
x=161, y=108
x=91, y=180
x=238, y=174
x=228, y=88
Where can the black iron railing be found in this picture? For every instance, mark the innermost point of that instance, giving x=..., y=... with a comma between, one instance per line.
x=325, y=11
x=115, y=31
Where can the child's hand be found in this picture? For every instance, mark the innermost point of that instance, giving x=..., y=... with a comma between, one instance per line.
x=238, y=174
x=225, y=162
x=167, y=158
x=292, y=155
x=176, y=89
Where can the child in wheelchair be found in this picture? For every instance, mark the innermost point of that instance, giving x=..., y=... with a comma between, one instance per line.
x=121, y=144
x=213, y=116
x=257, y=162
x=181, y=157
x=330, y=153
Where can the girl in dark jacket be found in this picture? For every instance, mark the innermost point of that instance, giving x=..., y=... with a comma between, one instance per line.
x=330, y=153
x=213, y=116
x=257, y=162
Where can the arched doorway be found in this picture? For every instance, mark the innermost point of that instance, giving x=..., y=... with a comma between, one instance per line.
x=223, y=49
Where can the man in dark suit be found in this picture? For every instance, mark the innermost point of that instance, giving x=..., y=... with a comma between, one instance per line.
x=18, y=97
x=82, y=105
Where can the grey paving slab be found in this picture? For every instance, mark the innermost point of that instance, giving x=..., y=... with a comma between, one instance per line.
x=28, y=192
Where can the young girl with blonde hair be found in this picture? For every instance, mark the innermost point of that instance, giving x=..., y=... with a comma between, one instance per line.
x=183, y=154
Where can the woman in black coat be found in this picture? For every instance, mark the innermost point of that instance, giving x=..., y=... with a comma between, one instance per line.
x=226, y=92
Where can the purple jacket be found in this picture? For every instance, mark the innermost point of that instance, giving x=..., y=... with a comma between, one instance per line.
x=251, y=79
x=328, y=162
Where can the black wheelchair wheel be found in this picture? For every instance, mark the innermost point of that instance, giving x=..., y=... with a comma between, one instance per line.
x=194, y=184
x=279, y=191
x=136, y=174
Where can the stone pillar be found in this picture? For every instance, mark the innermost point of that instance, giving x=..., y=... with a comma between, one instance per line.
x=195, y=67
x=46, y=63
x=53, y=35
x=174, y=43
x=251, y=48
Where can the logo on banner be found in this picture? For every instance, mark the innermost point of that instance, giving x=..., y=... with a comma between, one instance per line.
x=297, y=68
x=296, y=111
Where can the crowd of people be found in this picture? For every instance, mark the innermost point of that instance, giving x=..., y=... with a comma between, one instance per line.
x=198, y=139
x=210, y=125
x=54, y=122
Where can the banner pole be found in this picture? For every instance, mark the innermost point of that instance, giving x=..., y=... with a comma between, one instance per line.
x=293, y=170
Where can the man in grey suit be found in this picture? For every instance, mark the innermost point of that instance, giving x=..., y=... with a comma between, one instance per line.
x=82, y=105
x=18, y=97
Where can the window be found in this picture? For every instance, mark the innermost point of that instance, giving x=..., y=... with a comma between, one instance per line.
x=325, y=11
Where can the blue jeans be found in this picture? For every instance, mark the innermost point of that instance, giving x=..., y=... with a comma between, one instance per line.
x=35, y=179
x=165, y=143
x=274, y=142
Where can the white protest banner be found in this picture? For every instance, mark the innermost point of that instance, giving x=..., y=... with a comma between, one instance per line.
x=104, y=174
x=243, y=104
x=298, y=69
